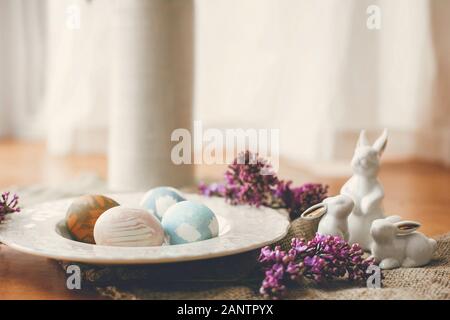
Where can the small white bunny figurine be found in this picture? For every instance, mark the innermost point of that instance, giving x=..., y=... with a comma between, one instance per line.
x=365, y=189
x=334, y=212
x=397, y=244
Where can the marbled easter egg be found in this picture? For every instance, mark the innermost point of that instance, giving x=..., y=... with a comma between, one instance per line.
x=83, y=213
x=159, y=199
x=189, y=221
x=127, y=227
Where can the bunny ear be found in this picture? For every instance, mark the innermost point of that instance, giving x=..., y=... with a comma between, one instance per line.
x=314, y=212
x=380, y=144
x=362, y=141
x=406, y=227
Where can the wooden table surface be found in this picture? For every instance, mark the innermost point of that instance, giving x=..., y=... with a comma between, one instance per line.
x=415, y=190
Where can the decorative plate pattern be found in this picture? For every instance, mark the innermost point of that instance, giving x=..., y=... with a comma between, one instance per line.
x=39, y=230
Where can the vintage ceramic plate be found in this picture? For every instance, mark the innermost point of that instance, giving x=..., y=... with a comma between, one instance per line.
x=40, y=230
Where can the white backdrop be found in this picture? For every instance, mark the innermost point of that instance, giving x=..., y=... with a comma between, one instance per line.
x=22, y=66
x=310, y=68
x=313, y=69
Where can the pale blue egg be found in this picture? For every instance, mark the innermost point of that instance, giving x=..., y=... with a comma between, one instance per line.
x=189, y=221
x=159, y=199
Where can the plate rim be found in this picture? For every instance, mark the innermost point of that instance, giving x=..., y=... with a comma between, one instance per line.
x=143, y=261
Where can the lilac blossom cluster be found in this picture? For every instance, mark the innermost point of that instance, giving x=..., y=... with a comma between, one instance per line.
x=298, y=199
x=321, y=259
x=245, y=184
x=8, y=204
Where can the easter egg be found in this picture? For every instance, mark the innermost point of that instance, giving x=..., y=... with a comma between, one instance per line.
x=127, y=227
x=189, y=221
x=83, y=213
x=159, y=199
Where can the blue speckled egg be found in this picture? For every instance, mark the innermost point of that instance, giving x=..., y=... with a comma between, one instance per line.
x=189, y=221
x=159, y=199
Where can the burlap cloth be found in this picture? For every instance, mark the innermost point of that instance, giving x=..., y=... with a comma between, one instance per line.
x=239, y=277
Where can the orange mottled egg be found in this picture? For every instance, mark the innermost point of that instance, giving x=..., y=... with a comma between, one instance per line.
x=83, y=213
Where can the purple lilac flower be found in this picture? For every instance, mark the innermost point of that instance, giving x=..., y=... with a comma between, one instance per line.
x=298, y=199
x=214, y=189
x=321, y=259
x=8, y=204
x=245, y=184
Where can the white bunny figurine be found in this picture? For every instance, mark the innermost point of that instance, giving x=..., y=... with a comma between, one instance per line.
x=397, y=244
x=334, y=212
x=365, y=189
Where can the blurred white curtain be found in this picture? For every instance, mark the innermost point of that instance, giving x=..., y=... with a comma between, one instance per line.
x=310, y=68
x=54, y=75
x=314, y=70
x=22, y=66
x=78, y=76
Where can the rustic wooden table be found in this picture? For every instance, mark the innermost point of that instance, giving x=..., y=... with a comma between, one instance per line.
x=419, y=191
